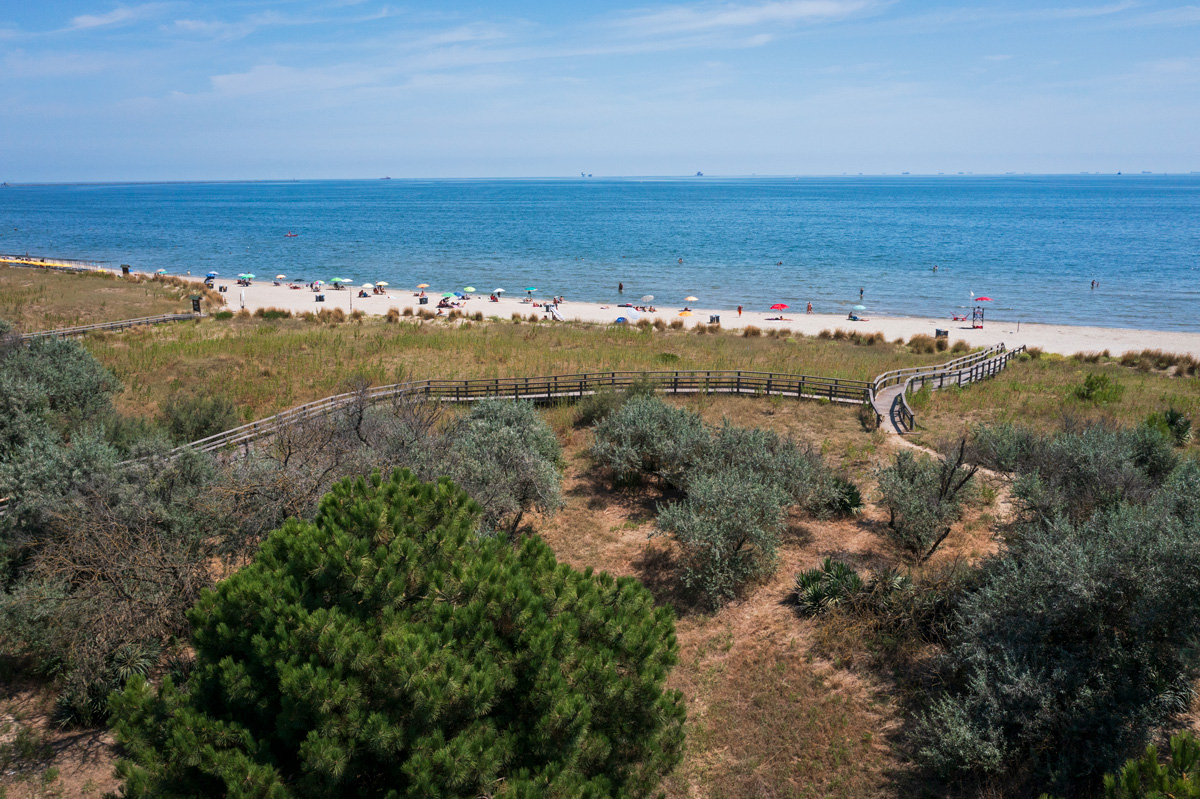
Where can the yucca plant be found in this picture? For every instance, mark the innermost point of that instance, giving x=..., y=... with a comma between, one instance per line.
x=826, y=586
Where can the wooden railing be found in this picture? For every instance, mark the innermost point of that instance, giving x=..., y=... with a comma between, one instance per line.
x=554, y=387
x=963, y=375
x=81, y=330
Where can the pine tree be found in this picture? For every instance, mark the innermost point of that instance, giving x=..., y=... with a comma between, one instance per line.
x=386, y=650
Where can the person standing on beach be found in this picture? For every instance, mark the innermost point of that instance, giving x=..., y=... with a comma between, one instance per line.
x=739, y=312
x=809, y=308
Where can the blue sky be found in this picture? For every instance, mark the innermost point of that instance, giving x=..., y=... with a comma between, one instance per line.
x=261, y=89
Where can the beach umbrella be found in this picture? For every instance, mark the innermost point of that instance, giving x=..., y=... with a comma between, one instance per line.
x=531, y=290
x=685, y=313
x=469, y=288
x=160, y=271
x=690, y=299
x=779, y=306
x=280, y=277
x=983, y=299
x=250, y=276
x=647, y=297
x=860, y=307
x=422, y=285
x=381, y=283
x=459, y=294
x=448, y=294
x=368, y=285
x=497, y=291
x=211, y=274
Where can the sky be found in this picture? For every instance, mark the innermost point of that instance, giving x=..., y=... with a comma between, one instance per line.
x=279, y=89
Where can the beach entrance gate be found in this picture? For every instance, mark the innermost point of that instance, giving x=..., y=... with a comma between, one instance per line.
x=977, y=317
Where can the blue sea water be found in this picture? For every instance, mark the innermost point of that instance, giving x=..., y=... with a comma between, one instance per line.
x=1031, y=243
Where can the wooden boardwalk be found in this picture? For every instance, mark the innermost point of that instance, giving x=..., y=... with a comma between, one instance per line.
x=83, y=330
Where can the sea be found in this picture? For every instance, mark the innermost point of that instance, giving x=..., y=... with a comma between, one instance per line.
x=912, y=245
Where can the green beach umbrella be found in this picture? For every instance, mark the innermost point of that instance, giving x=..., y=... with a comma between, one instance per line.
x=448, y=294
x=160, y=271
x=469, y=288
x=249, y=277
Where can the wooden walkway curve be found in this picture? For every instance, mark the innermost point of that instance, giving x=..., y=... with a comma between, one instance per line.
x=123, y=324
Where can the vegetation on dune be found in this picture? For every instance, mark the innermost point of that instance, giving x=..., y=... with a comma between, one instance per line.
x=384, y=650
x=266, y=366
x=44, y=299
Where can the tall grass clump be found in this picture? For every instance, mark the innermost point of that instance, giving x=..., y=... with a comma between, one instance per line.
x=751, y=331
x=1099, y=388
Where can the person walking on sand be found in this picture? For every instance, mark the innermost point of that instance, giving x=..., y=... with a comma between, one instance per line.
x=809, y=311
x=739, y=312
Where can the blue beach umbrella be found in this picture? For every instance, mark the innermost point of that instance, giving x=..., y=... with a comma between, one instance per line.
x=211, y=274
x=860, y=307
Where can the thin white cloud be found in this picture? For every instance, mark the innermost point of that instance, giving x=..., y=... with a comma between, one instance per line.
x=1182, y=15
x=682, y=19
x=120, y=15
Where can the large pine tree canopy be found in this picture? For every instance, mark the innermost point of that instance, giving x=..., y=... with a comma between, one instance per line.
x=385, y=649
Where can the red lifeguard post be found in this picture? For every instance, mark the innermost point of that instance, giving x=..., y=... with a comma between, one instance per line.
x=977, y=313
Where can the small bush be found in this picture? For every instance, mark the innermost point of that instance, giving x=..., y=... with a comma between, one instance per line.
x=961, y=346
x=727, y=529
x=644, y=324
x=408, y=311
x=923, y=498
x=273, y=313
x=941, y=344
x=700, y=329
x=660, y=325
x=750, y=331
x=1100, y=389
x=425, y=313
x=835, y=497
x=1034, y=352
x=393, y=315
x=647, y=437
x=534, y=318
x=223, y=315
x=356, y=315
x=923, y=344
x=825, y=334
x=840, y=335
x=827, y=586
x=1173, y=424
x=190, y=417
x=517, y=318
x=243, y=315
x=676, y=324
x=477, y=316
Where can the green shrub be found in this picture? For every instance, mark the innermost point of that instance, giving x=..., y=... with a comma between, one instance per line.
x=835, y=497
x=223, y=315
x=598, y=406
x=648, y=437
x=923, y=497
x=508, y=459
x=1100, y=389
x=1077, y=471
x=826, y=586
x=385, y=650
x=1146, y=778
x=190, y=417
x=1075, y=643
x=727, y=529
x=1173, y=424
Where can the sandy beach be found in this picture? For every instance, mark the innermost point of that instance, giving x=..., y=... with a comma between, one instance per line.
x=1064, y=339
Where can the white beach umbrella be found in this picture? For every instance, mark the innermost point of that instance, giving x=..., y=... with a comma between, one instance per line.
x=647, y=297
x=497, y=291
x=368, y=285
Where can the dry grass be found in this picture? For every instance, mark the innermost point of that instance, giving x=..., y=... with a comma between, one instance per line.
x=768, y=715
x=44, y=299
x=1039, y=394
x=269, y=365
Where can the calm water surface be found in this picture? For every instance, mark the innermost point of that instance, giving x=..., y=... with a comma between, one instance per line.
x=1032, y=244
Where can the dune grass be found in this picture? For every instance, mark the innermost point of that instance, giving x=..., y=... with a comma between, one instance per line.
x=265, y=366
x=1040, y=393
x=45, y=299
